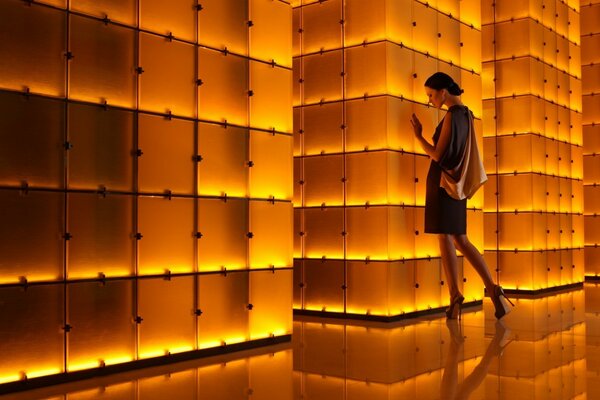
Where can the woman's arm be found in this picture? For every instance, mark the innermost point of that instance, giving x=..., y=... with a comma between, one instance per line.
x=434, y=151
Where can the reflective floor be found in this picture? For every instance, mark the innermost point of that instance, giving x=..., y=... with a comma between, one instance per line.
x=547, y=348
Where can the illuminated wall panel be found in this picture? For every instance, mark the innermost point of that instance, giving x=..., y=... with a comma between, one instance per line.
x=590, y=88
x=532, y=143
x=146, y=181
x=360, y=176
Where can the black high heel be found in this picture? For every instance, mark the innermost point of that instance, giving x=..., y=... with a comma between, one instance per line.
x=454, y=311
x=500, y=302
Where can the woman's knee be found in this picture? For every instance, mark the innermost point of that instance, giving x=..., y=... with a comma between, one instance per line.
x=460, y=241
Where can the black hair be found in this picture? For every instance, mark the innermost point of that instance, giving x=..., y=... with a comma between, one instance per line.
x=440, y=80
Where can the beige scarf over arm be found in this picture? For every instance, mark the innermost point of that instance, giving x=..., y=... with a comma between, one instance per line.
x=463, y=181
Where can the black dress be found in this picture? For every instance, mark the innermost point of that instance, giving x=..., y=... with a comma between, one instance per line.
x=443, y=214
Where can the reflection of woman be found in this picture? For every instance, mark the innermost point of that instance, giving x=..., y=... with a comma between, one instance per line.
x=444, y=215
x=450, y=389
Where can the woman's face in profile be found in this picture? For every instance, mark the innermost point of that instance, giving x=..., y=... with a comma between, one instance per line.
x=436, y=97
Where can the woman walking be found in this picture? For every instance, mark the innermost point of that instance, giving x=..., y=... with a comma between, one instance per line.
x=445, y=215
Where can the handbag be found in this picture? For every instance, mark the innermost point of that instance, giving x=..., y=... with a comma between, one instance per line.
x=463, y=181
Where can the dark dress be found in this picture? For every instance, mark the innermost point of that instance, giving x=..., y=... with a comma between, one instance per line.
x=443, y=214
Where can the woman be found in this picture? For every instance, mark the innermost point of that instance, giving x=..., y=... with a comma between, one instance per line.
x=444, y=215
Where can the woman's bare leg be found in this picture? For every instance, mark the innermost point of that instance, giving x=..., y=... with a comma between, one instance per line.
x=450, y=263
x=471, y=253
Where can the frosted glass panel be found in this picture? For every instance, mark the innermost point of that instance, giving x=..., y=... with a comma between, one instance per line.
x=271, y=31
x=173, y=17
x=168, y=82
x=272, y=94
x=101, y=317
x=102, y=69
x=32, y=136
x=32, y=221
x=102, y=148
x=321, y=26
x=224, y=229
x=166, y=303
x=124, y=11
x=272, y=172
x=269, y=317
x=323, y=180
x=322, y=129
x=323, y=283
x=223, y=24
x=223, y=300
x=167, y=160
x=323, y=232
x=223, y=169
x=102, y=235
x=223, y=94
x=37, y=60
x=167, y=227
x=31, y=339
x=271, y=243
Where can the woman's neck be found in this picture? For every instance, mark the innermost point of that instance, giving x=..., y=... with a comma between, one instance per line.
x=453, y=101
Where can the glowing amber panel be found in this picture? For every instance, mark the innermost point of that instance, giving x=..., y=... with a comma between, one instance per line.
x=102, y=69
x=223, y=24
x=102, y=148
x=223, y=169
x=271, y=95
x=166, y=163
x=224, y=228
x=102, y=235
x=124, y=11
x=177, y=18
x=323, y=281
x=223, y=300
x=272, y=171
x=271, y=31
x=223, y=94
x=168, y=82
x=167, y=228
x=31, y=132
x=271, y=243
x=321, y=28
x=268, y=317
x=37, y=61
x=174, y=307
x=322, y=128
x=103, y=330
x=39, y=217
x=34, y=344
x=323, y=232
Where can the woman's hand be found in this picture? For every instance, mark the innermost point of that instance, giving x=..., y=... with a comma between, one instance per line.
x=417, y=127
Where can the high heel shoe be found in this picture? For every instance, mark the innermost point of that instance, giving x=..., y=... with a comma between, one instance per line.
x=454, y=311
x=500, y=302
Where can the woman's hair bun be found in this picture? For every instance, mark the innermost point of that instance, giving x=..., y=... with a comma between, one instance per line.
x=440, y=80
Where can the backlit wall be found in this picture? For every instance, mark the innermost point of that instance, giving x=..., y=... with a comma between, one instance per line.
x=145, y=179
x=359, y=70
x=533, y=145
x=590, y=80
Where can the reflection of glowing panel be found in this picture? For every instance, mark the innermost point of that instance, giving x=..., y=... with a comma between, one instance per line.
x=359, y=74
x=532, y=130
x=545, y=348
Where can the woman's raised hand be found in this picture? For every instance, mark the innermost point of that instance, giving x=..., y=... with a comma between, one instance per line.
x=417, y=127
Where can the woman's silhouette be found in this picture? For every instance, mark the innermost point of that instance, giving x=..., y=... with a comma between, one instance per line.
x=444, y=215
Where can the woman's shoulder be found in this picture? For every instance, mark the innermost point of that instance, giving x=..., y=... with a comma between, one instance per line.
x=458, y=108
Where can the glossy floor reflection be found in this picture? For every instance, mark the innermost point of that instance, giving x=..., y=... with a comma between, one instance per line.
x=547, y=348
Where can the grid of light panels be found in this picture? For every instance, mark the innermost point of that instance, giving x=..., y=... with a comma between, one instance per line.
x=146, y=184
